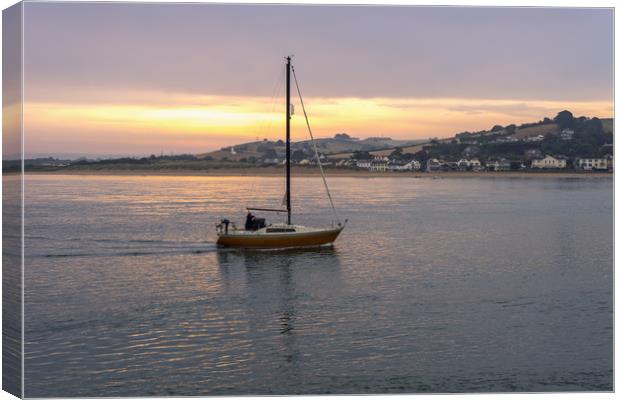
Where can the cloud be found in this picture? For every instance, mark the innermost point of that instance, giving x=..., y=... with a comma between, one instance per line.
x=341, y=51
x=195, y=123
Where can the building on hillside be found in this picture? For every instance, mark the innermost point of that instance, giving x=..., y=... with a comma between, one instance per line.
x=365, y=164
x=375, y=164
x=589, y=164
x=412, y=165
x=379, y=165
x=492, y=165
x=395, y=165
x=450, y=166
x=498, y=164
x=475, y=164
x=465, y=164
x=506, y=139
x=549, y=162
x=537, y=138
x=467, y=141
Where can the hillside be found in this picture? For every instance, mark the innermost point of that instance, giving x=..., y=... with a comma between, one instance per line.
x=608, y=125
x=532, y=131
x=270, y=149
x=526, y=131
x=565, y=137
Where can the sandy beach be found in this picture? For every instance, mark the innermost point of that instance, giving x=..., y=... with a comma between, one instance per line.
x=277, y=172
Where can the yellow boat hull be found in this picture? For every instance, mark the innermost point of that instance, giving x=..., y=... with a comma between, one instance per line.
x=279, y=240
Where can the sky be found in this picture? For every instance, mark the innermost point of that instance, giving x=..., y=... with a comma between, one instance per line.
x=122, y=78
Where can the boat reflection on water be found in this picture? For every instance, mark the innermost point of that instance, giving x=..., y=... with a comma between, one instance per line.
x=280, y=290
x=262, y=263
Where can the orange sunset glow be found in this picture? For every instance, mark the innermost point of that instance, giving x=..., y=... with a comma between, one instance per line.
x=228, y=120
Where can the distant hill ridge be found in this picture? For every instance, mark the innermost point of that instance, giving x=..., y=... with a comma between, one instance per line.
x=271, y=149
x=342, y=146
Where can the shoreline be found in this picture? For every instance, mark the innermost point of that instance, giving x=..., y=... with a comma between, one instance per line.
x=305, y=172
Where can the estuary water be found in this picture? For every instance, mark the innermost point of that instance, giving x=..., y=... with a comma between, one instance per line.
x=435, y=285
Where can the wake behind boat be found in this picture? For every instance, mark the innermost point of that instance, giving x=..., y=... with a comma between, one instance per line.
x=256, y=233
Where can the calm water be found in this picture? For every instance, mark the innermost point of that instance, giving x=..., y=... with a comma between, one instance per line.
x=447, y=285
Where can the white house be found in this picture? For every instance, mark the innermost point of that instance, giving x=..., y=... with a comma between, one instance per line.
x=363, y=164
x=498, y=165
x=475, y=163
x=395, y=166
x=412, y=165
x=464, y=163
x=592, y=163
x=549, y=162
x=378, y=165
x=538, y=138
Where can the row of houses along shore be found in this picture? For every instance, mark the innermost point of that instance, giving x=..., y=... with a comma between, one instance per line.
x=548, y=162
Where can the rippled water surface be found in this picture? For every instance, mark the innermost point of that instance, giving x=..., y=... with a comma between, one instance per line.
x=440, y=285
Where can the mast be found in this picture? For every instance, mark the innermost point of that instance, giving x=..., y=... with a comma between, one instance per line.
x=288, y=139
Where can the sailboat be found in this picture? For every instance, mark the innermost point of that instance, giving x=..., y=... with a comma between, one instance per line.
x=282, y=235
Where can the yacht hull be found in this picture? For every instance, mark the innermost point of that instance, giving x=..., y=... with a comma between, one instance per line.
x=263, y=240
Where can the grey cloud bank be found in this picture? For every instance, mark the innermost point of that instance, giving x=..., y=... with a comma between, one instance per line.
x=341, y=51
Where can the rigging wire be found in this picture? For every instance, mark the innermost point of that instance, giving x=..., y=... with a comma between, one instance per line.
x=265, y=125
x=267, y=121
x=276, y=95
x=316, y=152
x=280, y=88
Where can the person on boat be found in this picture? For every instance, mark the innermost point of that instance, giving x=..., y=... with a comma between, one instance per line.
x=249, y=221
